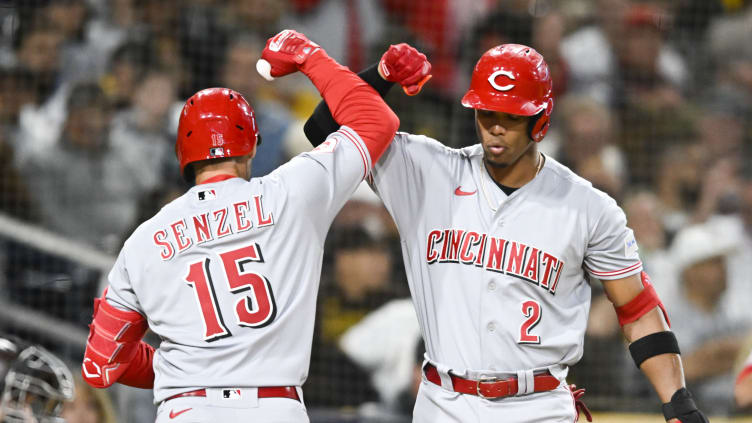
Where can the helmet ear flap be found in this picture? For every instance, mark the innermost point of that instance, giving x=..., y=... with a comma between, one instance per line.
x=539, y=124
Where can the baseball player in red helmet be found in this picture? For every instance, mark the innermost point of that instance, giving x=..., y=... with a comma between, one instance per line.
x=227, y=274
x=500, y=244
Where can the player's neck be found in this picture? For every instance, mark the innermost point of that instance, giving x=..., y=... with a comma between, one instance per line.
x=234, y=168
x=520, y=172
x=208, y=175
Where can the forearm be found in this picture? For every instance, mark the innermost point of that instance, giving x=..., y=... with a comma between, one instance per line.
x=352, y=102
x=743, y=388
x=321, y=123
x=664, y=371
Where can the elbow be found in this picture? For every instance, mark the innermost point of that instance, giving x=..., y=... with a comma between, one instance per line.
x=91, y=373
x=392, y=121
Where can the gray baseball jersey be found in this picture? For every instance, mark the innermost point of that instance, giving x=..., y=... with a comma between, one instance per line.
x=227, y=274
x=500, y=283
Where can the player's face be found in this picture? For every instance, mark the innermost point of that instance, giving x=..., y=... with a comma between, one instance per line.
x=503, y=136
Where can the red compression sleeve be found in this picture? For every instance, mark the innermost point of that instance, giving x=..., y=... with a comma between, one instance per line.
x=353, y=102
x=140, y=372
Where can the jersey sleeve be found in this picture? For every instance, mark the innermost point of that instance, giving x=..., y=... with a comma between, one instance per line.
x=746, y=371
x=322, y=179
x=120, y=292
x=612, y=249
x=398, y=177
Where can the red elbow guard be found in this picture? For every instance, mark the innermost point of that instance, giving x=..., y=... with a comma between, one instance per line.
x=114, y=340
x=645, y=301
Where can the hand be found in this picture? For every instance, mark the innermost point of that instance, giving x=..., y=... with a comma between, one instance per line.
x=406, y=66
x=284, y=54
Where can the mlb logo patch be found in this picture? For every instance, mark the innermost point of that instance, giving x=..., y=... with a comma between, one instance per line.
x=232, y=394
x=207, y=195
x=630, y=246
x=217, y=152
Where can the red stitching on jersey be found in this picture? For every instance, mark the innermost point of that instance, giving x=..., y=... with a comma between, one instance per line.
x=360, y=148
x=747, y=371
x=617, y=272
x=352, y=139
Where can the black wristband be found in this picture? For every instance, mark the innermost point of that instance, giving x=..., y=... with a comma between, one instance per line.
x=321, y=123
x=652, y=345
x=683, y=407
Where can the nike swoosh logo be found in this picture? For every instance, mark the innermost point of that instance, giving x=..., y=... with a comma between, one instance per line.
x=459, y=191
x=173, y=414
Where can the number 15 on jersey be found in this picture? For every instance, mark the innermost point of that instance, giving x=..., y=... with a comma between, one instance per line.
x=255, y=309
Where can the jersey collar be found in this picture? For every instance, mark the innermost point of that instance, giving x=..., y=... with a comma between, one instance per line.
x=218, y=178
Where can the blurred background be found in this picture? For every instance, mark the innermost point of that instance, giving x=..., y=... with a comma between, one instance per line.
x=653, y=106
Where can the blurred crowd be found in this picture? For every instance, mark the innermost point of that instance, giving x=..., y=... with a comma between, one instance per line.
x=653, y=106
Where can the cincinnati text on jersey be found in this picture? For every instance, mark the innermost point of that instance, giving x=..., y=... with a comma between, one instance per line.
x=496, y=255
x=184, y=233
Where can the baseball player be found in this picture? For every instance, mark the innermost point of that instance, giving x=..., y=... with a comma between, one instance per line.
x=227, y=274
x=34, y=383
x=500, y=243
x=743, y=387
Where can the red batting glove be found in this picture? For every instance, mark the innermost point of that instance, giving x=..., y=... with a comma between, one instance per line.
x=284, y=54
x=406, y=66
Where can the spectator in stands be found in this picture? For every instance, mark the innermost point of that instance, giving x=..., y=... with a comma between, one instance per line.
x=85, y=187
x=15, y=199
x=16, y=90
x=730, y=49
x=202, y=34
x=357, y=282
x=129, y=63
x=239, y=73
x=346, y=29
x=586, y=145
x=78, y=61
x=260, y=16
x=740, y=264
x=651, y=107
x=548, y=32
x=38, y=52
x=115, y=23
x=680, y=173
x=141, y=134
x=89, y=405
x=591, y=52
x=384, y=343
x=723, y=122
x=710, y=339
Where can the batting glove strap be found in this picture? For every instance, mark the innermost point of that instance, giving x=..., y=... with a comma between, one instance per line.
x=683, y=407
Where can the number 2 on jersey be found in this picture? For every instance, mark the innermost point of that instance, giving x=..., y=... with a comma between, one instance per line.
x=255, y=310
x=532, y=310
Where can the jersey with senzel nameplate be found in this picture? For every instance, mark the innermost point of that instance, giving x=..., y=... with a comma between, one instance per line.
x=227, y=274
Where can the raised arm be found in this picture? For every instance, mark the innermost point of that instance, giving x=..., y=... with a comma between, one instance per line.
x=402, y=64
x=653, y=346
x=352, y=102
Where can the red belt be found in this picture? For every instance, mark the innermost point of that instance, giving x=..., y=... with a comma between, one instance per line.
x=491, y=387
x=263, y=392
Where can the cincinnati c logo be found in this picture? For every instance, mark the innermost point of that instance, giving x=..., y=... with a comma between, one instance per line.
x=495, y=75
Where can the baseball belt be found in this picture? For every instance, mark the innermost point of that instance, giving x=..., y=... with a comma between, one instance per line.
x=263, y=392
x=491, y=388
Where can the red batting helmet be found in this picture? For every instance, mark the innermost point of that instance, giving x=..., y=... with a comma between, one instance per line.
x=514, y=79
x=215, y=123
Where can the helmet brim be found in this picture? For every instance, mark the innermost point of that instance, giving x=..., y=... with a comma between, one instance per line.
x=501, y=103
